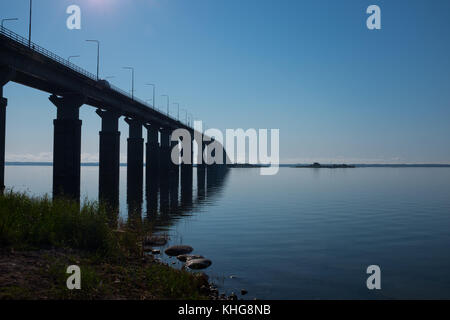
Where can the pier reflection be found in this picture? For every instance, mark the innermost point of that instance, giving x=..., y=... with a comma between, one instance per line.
x=170, y=196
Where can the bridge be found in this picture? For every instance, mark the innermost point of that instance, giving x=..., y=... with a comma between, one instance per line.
x=70, y=87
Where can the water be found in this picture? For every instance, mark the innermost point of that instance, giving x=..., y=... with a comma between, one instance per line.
x=305, y=233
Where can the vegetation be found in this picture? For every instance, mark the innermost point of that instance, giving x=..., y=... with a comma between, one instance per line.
x=41, y=238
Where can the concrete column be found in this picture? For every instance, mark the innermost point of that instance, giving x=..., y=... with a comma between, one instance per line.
x=212, y=166
x=135, y=161
x=173, y=166
x=201, y=165
x=165, y=160
x=151, y=153
x=109, y=166
x=67, y=146
x=3, y=104
x=6, y=75
x=174, y=178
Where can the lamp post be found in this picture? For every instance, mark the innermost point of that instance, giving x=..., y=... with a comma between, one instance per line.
x=8, y=19
x=132, y=81
x=186, y=115
x=98, y=54
x=29, y=24
x=178, y=113
x=168, y=103
x=70, y=57
x=154, y=87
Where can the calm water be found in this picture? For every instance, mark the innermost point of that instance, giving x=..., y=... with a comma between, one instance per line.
x=305, y=233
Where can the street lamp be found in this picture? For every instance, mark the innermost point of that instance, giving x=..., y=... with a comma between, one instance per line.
x=186, y=115
x=132, y=80
x=29, y=25
x=70, y=57
x=98, y=54
x=178, y=114
x=165, y=95
x=9, y=19
x=151, y=84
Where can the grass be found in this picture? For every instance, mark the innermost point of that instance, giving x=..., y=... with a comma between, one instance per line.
x=63, y=233
x=38, y=222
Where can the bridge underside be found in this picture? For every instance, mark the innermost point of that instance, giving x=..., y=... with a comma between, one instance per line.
x=69, y=90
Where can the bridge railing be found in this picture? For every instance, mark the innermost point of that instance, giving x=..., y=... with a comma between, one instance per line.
x=65, y=62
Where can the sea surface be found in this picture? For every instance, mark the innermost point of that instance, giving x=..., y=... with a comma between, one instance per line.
x=303, y=233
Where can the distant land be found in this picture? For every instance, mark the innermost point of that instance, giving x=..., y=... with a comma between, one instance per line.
x=420, y=165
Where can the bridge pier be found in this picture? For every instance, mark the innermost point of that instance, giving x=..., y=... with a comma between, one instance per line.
x=186, y=168
x=109, y=166
x=165, y=160
x=6, y=75
x=151, y=153
x=3, y=104
x=135, y=160
x=201, y=146
x=201, y=169
x=174, y=167
x=67, y=146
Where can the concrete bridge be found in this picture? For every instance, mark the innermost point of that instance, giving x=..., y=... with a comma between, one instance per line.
x=71, y=87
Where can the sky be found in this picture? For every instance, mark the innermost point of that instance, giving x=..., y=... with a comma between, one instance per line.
x=337, y=91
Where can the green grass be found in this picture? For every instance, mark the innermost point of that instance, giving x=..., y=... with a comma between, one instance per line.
x=112, y=262
x=27, y=222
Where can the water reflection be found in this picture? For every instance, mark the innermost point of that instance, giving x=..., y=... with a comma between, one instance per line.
x=169, y=196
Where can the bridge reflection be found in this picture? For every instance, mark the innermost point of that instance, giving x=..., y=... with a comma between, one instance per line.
x=170, y=196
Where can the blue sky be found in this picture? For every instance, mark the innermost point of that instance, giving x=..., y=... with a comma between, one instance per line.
x=337, y=91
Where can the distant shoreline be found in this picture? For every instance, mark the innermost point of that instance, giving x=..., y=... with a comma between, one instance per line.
x=374, y=165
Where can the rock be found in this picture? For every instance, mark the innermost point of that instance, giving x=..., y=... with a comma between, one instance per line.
x=178, y=250
x=202, y=278
x=198, y=263
x=147, y=249
x=244, y=292
x=156, y=241
x=156, y=251
x=232, y=276
x=187, y=257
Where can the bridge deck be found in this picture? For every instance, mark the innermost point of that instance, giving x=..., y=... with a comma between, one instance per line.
x=39, y=68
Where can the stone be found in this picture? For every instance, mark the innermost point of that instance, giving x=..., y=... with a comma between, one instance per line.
x=178, y=250
x=156, y=251
x=202, y=278
x=156, y=241
x=197, y=264
x=187, y=257
x=244, y=292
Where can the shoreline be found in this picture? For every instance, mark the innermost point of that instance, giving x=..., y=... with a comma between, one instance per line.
x=41, y=238
x=244, y=166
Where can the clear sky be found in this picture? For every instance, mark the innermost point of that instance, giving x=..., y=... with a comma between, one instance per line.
x=337, y=91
